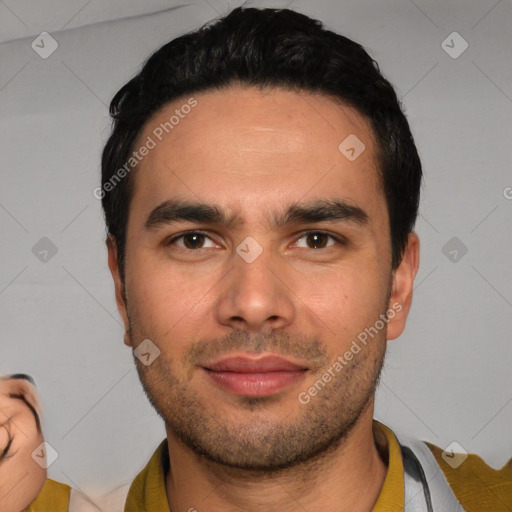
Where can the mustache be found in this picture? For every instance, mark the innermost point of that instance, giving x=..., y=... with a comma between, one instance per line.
x=277, y=342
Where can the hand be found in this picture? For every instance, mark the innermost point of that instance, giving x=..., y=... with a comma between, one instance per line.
x=21, y=478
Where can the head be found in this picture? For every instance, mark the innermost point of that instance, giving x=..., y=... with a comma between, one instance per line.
x=285, y=152
x=21, y=478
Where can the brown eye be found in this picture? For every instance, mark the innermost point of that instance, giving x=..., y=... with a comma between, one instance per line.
x=192, y=240
x=318, y=240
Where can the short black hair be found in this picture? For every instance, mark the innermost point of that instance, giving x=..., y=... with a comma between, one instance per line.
x=264, y=48
x=23, y=376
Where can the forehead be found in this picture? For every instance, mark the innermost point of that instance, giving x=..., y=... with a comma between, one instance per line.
x=248, y=147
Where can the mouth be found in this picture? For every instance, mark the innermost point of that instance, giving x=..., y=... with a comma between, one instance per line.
x=247, y=376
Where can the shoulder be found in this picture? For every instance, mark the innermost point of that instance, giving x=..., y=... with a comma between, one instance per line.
x=145, y=492
x=477, y=486
x=53, y=496
x=112, y=501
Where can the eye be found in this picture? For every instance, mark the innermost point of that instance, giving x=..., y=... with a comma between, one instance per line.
x=318, y=239
x=194, y=240
x=5, y=451
x=190, y=240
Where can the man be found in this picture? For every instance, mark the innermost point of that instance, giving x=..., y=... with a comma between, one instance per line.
x=260, y=189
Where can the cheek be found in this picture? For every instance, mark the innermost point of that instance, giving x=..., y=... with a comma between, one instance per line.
x=37, y=473
x=21, y=469
x=167, y=305
x=157, y=279
x=27, y=438
x=155, y=288
x=349, y=297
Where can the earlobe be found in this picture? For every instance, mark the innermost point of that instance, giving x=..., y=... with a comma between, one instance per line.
x=127, y=339
x=113, y=265
x=402, y=289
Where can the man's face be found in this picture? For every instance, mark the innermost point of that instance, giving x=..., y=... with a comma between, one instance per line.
x=306, y=297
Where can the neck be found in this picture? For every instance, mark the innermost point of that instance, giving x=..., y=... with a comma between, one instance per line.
x=347, y=478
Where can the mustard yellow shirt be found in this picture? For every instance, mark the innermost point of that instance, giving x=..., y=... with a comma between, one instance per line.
x=53, y=497
x=478, y=487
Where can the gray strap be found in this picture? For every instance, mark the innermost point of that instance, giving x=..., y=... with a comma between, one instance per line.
x=426, y=488
x=417, y=496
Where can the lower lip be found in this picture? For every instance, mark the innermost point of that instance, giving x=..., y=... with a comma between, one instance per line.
x=255, y=384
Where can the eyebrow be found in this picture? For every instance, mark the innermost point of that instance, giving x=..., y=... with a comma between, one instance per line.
x=332, y=210
x=30, y=406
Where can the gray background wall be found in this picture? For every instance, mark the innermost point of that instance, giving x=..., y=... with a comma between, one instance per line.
x=447, y=378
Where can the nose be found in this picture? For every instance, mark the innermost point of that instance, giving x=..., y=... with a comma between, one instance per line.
x=256, y=296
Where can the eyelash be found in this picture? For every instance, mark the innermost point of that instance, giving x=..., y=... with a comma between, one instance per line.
x=338, y=238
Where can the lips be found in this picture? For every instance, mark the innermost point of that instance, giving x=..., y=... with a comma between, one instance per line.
x=246, y=376
x=266, y=364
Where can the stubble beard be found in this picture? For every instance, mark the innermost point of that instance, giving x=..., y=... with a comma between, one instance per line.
x=258, y=444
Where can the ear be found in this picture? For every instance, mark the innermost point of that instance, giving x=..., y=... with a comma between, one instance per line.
x=113, y=265
x=403, y=282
